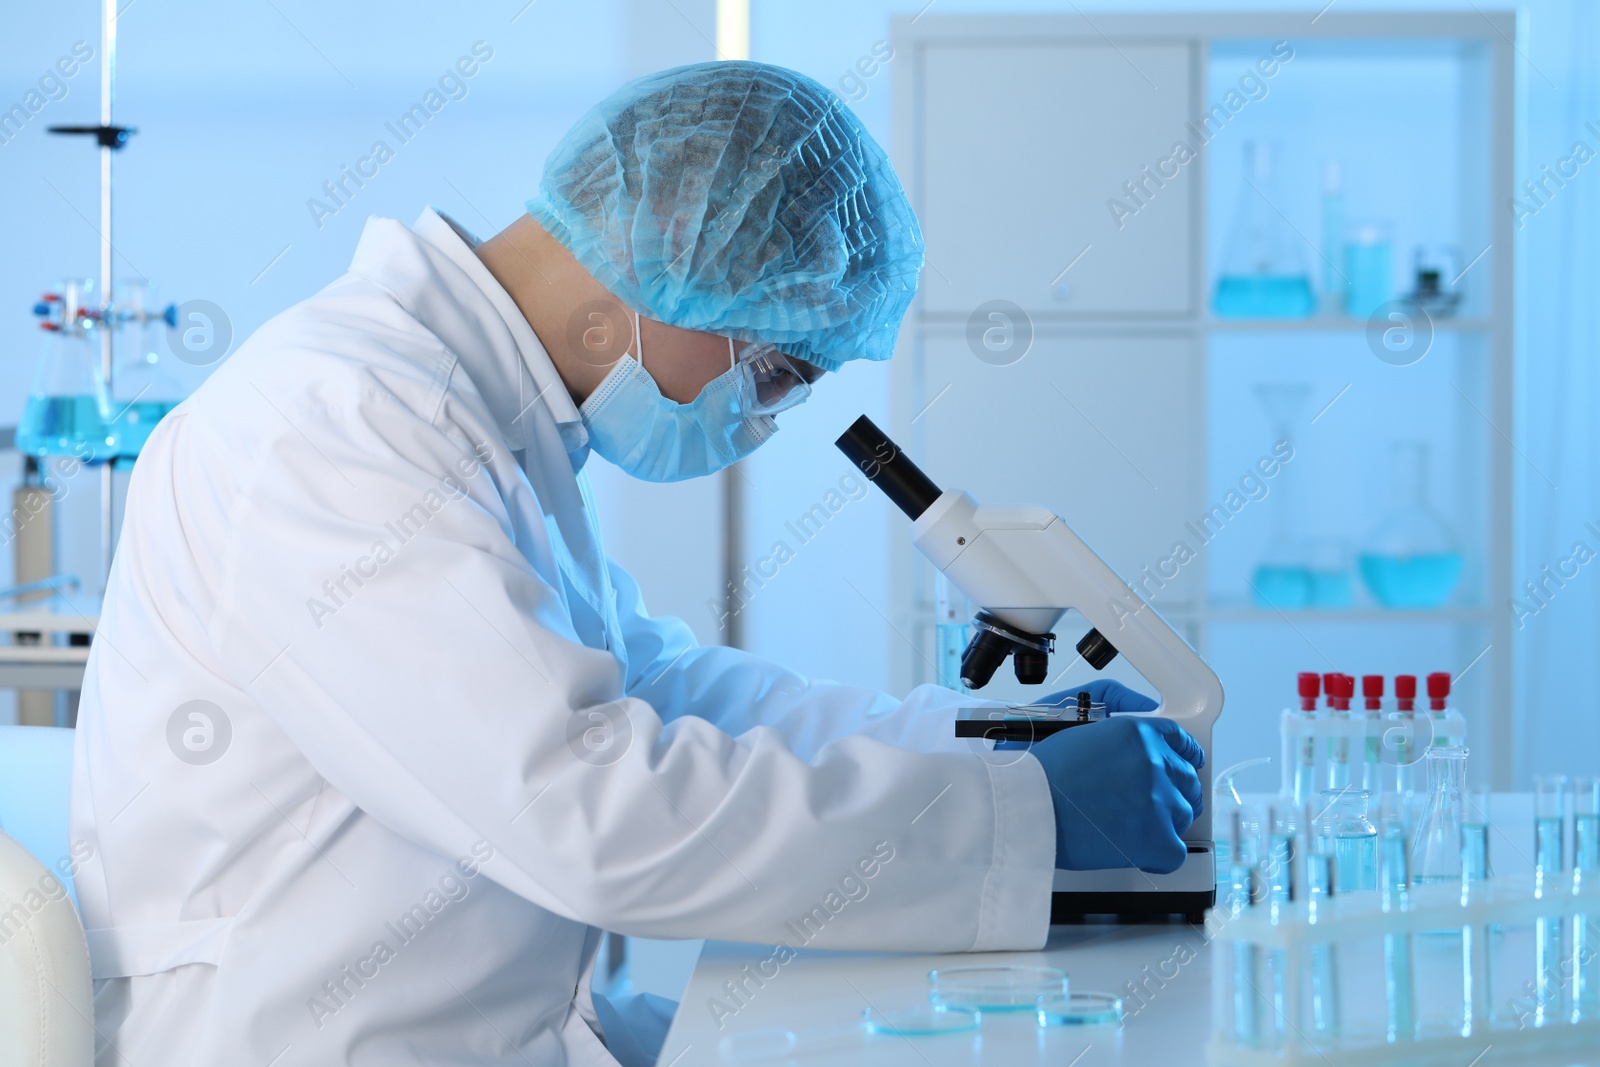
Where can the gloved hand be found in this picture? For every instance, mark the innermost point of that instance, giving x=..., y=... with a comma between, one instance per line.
x=1123, y=788
x=1117, y=697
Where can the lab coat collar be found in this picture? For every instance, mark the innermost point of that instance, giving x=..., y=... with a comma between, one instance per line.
x=456, y=243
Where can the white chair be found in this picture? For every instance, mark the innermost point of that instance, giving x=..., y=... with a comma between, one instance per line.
x=46, y=997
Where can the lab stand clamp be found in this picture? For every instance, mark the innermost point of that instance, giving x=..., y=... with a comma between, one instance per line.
x=1425, y=975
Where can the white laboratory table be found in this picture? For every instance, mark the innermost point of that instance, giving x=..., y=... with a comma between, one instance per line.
x=1162, y=971
x=52, y=661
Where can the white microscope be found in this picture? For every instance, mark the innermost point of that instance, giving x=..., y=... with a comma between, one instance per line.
x=1026, y=568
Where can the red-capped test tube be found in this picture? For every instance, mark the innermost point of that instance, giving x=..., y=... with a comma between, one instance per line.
x=1407, y=749
x=1310, y=686
x=1372, y=695
x=1340, y=688
x=1438, y=691
x=1439, y=706
x=1304, y=751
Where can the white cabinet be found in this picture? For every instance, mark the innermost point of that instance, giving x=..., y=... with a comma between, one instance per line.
x=1020, y=148
x=1134, y=413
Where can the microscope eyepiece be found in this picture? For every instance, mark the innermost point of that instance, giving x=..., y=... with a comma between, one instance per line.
x=888, y=468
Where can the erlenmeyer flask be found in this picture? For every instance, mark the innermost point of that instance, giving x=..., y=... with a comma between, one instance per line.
x=144, y=386
x=68, y=411
x=1263, y=269
x=1229, y=801
x=1411, y=559
x=1282, y=577
x=1436, y=848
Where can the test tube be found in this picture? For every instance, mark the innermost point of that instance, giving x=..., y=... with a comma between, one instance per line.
x=1309, y=687
x=1284, y=826
x=1406, y=754
x=1340, y=687
x=1586, y=862
x=1476, y=965
x=1475, y=834
x=1244, y=876
x=1394, y=879
x=1326, y=1016
x=1549, y=861
x=1371, y=764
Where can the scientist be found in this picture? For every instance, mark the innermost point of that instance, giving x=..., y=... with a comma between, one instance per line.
x=374, y=738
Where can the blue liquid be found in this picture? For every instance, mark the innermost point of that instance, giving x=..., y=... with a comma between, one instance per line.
x=1355, y=861
x=1475, y=851
x=1548, y=856
x=1282, y=587
x=1411, y=581
x=1300, y=587
x=74, y=426
x=1548, y=862
x=1369, y=274
x=64, y=426
x=1330, y=589
x=135, y=422
x=1264, y=296
x=1585, y=963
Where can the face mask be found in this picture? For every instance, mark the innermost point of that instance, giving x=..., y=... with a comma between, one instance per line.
x=659, y=440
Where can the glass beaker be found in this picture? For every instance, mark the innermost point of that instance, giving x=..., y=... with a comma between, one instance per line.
x=1368, y=270
x=144, y=386
x=1283, y=577
x=68, y=411
x=1263, y=271
x=1354, y=839
x=1436, y=844
x=1411, y=559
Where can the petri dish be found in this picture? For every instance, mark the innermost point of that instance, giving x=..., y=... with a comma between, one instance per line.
x=1080, y=1009
x=995, y=988
x=920, y=1021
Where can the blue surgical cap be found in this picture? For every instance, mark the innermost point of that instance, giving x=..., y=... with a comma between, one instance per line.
x=740, y=199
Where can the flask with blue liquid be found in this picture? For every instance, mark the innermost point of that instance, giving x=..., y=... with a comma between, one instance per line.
x=68, y=411
x=1264, y=274
x=1411, y=559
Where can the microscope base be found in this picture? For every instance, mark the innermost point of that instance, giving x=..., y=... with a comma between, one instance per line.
x=1188, y=891
x=1067, y=908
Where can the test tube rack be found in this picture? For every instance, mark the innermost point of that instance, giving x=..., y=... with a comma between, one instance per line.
x=1283, y=936
x=1399, y=740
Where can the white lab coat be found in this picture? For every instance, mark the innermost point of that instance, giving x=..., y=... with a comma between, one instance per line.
x=456, y=744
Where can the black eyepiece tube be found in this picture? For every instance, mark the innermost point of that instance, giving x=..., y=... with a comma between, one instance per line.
x=885, y=466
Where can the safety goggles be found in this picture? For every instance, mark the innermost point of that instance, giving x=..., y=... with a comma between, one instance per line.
x=769, y=381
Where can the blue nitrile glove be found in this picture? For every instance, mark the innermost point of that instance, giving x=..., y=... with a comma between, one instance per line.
x=1117, y=698
x=1124, y=788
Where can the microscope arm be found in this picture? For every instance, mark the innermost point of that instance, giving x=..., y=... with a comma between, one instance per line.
x=1026, y=568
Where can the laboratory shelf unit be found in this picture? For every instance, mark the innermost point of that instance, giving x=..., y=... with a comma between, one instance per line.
x=1080, y=185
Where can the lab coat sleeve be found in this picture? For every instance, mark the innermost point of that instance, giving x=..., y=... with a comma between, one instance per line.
x=428, y=671
x=738, y=691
